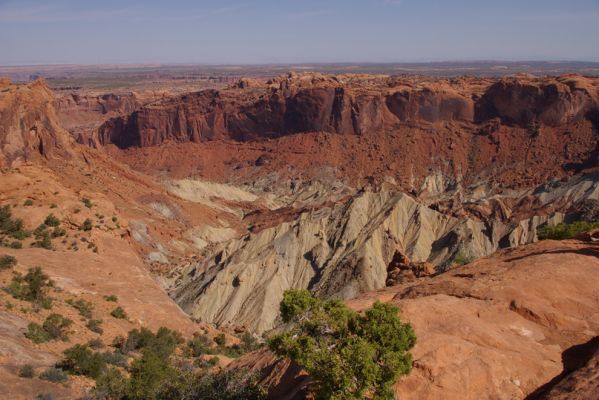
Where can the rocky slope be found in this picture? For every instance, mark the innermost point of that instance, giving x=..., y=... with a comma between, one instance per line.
x=434, y=169
x=45, y=172
x=348, y=248
x=498, y=328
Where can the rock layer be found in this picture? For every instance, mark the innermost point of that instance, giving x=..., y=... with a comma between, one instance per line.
x=350, y=105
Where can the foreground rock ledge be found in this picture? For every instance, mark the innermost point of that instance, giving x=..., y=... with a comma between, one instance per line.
x=496, y=328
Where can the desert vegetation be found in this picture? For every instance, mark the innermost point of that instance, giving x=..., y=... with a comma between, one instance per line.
x=348, y=355
x=147, y=365
x=32, y=287
x=565, y=230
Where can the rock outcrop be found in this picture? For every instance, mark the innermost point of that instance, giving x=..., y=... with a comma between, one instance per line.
x=500, y=327
x=29, y=125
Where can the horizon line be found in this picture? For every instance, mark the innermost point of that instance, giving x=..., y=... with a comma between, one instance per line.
x=315, y=63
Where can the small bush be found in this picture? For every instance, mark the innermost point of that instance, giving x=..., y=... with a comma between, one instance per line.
x=95, y=344
x=26, y=371
x=199, y=345
x=42, y=236
x=112, y=298
x=16, y=245
x=111, y=385
x=115, y=358
x=7, y=262
x=248, y=343
x=53, y=205
x=94, y=326
x=52, y=221
x=58, y=232
x=119, y=313
x=87, y=202
x=54, y=374
x=31, y=287
x=28, y=202
x=36, y=333
x=162, y=343
x=56, y=326
x=13, y=227
x=87, y=225
x=80, y=360
x=84, y=307
x=220, y=339
x=76, y=211
x=461, y=258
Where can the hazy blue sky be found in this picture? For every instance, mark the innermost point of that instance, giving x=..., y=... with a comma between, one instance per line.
x=280, y=31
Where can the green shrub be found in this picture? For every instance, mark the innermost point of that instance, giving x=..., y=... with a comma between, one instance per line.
x=119, y=313
x=565, y=231
x=7, y=262
x=112, y=298
x=84, y=307
x=58, y=232
x=348, y=355
x=80, y=360
x=461, y=258
x=111, y=385
x=28, y=202
x=230, y=384
x=87, y=202
x=31, y=287
x=95, y=343
x=36, y=333
x=220, y=339
x=56, y=326
x=52, y=221
x=155, y=375
x=53, y=205
x=54, y=374
x=16, y=245
x=162, y=343
x=115, y=358
x=26, y=371
x=199, y=345
x=94, y=325
x=148, y=374
x=42, y=236
x=248, y=343
x=12, y=227
x=87, y=225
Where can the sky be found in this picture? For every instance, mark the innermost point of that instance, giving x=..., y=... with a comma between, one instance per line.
x=296, y=31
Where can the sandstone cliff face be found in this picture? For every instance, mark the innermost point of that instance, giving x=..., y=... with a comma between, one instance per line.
x=349, y=105
x=552, y=102
x=29, y=125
